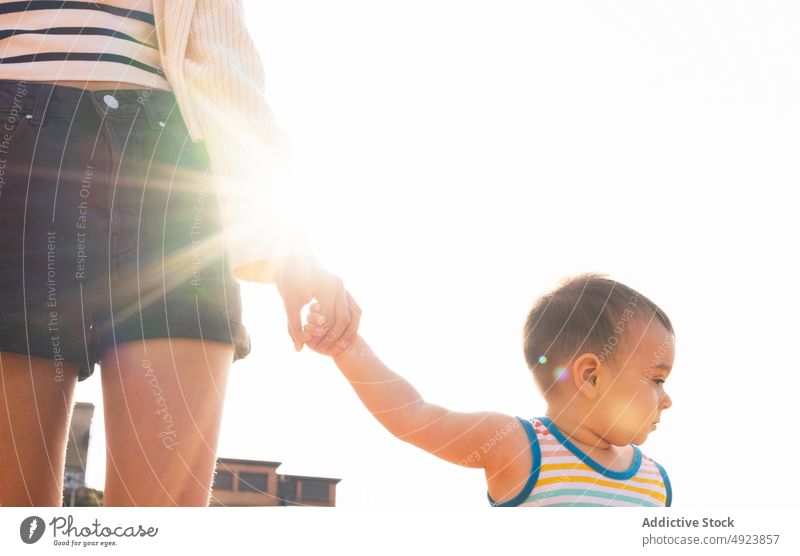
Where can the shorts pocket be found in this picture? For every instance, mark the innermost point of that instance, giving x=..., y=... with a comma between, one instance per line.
x=13, y=126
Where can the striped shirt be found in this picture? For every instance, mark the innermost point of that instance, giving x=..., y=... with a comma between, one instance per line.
x=563, y=475
x=114, y=40
x=216, y=74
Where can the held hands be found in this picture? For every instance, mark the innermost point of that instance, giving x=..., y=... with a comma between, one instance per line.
x=299, y=279
x=317, y=327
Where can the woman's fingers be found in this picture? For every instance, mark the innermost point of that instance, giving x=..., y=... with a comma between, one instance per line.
x=349, y=334
x=316, y=318
x=315, y=331
x=341, y=316
x=327, y=292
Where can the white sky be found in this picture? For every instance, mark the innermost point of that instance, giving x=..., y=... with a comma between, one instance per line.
x=460, y=157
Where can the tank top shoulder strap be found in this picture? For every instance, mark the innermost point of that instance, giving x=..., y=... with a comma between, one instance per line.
x=536, y=460
x=651, y=470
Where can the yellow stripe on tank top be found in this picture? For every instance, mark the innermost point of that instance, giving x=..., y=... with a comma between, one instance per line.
x=584, y=467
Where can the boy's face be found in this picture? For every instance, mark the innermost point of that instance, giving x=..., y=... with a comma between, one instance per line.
x=631, y=391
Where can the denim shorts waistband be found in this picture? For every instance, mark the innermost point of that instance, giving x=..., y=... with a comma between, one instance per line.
x=40, y=100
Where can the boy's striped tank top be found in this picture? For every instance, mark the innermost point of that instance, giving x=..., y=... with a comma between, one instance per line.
x=563, y=475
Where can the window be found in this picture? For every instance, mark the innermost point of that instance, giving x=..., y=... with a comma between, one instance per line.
x=252, y=482
x=286, y=490
x=223, y=480
x=314, y=490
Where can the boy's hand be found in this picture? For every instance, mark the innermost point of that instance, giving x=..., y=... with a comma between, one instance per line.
x=299, y=280
x=317, y=327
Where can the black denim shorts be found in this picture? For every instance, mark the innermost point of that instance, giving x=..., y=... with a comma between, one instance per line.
x=109, y=226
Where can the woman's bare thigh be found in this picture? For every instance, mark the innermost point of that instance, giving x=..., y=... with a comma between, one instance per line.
x=35, y=411
x=163, y=402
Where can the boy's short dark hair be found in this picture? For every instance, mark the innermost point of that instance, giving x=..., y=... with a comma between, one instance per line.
x=585, y=313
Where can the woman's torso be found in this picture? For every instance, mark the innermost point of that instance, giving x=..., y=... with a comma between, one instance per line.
x=90, y=45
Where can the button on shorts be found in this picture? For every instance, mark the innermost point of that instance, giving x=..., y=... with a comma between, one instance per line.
x=109, y=226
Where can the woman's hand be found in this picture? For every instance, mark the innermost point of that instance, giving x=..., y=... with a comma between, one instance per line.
x=299, y=280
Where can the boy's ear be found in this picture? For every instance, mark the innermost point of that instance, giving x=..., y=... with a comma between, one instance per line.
x=584, y=374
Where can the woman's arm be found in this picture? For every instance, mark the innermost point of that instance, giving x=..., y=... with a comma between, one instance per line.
x=222, y=86
x=225, y=80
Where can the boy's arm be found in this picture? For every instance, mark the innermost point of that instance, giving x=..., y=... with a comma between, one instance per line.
x=467, y=439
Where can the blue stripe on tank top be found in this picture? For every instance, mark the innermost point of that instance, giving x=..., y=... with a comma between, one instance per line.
x=597, y=494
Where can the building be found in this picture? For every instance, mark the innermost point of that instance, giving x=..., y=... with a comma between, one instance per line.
x=237, y=482
x=78, y=444
x=77, y=450
x=243, y=482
